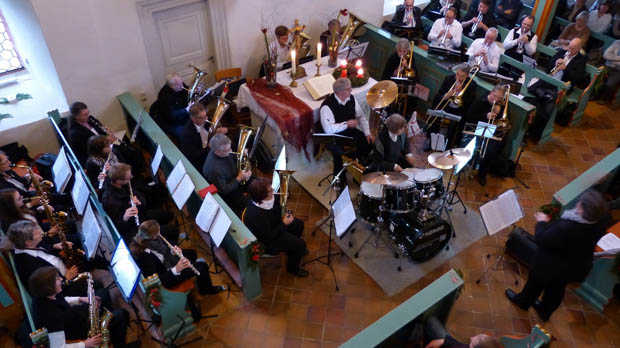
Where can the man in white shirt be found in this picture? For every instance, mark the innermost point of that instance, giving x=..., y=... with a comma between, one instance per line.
x=612, y=62
x=281, y=47
x=446, y=32
x=485, y=52
x=341, y=114
x=518, y=42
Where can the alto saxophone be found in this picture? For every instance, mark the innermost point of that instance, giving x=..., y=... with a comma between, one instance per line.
x=98, y=325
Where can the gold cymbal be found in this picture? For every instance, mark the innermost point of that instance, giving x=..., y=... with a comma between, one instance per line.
x=448, y=159
x=381, y=94
x=387, y=178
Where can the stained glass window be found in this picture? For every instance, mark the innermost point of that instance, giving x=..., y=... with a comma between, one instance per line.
x=9, y=58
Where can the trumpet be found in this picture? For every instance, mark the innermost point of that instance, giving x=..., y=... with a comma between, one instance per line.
x=520, y=44
x=557, y=66
x=133, y=204
x=480, y=59
x=103, y=170
x=474, y=27
x=443, y=39
x=407, y=71
x=179, y=255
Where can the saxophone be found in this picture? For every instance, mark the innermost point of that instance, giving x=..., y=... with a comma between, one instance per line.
x=70, y=256
x=97, y=325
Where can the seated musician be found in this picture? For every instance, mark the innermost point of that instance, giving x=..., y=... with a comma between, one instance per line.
x=481, y=17
x=485, y=109
x=406, y=15
x=579, y=29
x=194, y=141
x=518, y=42
x=507, y=12
x=398, y=60
x=446, y=32
x=68, y=318
x=172, y=102
x=600, y=19
x=333, y=28
x=277, y=232
x=341, y=114
x=10, y=179
x=153, y=255
x=392, y=151
x=117, y=202
x=281, y=47
x=220, y=169
x=441, y=6
x=440, y=338
x=99, y=152
x=485, y=52
x=564, y=254
x=452, y=86
x=612, y=62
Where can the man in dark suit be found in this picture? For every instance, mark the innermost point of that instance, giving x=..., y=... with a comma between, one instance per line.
x=194, y=139
x=471, y=18
x=564, y=254
x=172, y=101
x=507, y=13
x=407, y=16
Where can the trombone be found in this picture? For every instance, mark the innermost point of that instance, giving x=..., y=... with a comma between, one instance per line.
x=407, y=71
x=503, y=124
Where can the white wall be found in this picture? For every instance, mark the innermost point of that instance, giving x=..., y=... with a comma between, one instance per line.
x=245, y=19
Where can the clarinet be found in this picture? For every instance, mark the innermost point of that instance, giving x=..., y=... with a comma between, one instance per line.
x=96, y=122
x=179, y=255
x=133, y=204
x=103, y=170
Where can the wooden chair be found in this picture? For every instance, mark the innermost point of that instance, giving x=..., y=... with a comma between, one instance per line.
x=232, y=74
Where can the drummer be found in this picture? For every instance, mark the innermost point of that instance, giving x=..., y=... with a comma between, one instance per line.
x=392, y=152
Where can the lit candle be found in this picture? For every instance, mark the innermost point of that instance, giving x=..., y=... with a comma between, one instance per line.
x=358, y=64
x=293, y=67
x=360, y=72
x=343, y=63
x=319, y=46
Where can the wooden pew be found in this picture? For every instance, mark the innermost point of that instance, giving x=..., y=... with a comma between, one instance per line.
x=238, y=238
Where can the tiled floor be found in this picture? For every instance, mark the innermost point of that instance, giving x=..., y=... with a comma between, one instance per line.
x=308, y=312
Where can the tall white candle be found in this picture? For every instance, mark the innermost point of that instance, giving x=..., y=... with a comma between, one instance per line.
x=318, y=53
x=293, y=67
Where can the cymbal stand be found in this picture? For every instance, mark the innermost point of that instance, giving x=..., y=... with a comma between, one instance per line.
x=517, y=179
x=454, y=192
x=446, y=207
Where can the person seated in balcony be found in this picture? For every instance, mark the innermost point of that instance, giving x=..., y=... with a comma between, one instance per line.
x=508, y=12
x=600, y=18
x=579, y=29
x=612, y=62
x=571, y=12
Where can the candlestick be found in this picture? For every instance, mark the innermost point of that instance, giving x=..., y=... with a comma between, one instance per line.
x=318, y=70
x=358, y=64
x=360, y=73
x=293, y=67
x=319, y=46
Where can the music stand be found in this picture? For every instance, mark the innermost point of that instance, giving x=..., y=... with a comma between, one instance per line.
x=440, y=114
x=332, y=140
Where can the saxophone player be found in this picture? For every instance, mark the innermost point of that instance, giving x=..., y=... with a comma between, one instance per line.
x=446, y=32
x=485, y=52
x=66, y=318
x=478, y=20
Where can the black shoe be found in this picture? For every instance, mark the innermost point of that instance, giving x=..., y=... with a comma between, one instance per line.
x=482, y=179
x=538, y=307
x=134, y=344
x=216, y=289
x=512, y=296
x=300, y=273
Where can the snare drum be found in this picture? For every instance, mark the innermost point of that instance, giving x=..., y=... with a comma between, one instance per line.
x=369, y=201
x=430, y=181
x=401, y=198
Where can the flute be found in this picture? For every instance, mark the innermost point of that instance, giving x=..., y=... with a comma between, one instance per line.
x=133, y=204
x=103, y=170
x=179, y=255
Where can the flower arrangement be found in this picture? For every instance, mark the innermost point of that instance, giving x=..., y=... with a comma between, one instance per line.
x=269, y=63
x=254, y=252
x=352, y=74
x=153, y=297
x=551, y=209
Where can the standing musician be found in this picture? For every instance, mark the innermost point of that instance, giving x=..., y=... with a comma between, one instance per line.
x=447, y=31
x=485, y=109
x=518, y=42
x=221, y=170
x=67, y=318
x=392, y=151
x=117, y=203
x=281, y=47
x=450, y=87
x=277, y=232
x=194, y=141
x=100, y=158
x=564, y=253
x=507, y=12
x=398, y=60
x=172, y=105
x=479, y=17
x=154, y=256
x=485, y=52
x=341, y=114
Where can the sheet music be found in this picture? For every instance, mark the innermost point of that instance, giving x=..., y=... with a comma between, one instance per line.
x=175, y=177
x=80, y=193
x=119, y=135
x=125, y=270
x=438, y=142
x=609, y=241
x=356, y=52
x=344, y=213
x=501, y=212
x=61, y=171
x=183, y=191
x=207, y=212
x=485, y=128
x=157, y=160
x=413, y=128
x=275, y=182
x=220, y=227
x=471, y=146
x=91, y=232
x=281, y=162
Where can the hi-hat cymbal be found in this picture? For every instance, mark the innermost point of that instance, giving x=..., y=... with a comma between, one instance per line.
x=381, y=94
x=387, y=178
x=448, y=159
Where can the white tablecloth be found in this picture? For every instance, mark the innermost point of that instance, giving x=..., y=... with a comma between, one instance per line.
x=272, y=136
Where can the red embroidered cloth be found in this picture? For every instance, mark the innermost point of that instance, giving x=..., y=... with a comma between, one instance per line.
x=294, y=117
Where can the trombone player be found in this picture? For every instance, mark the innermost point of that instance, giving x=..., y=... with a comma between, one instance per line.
x=399, y=60
x=485, y=52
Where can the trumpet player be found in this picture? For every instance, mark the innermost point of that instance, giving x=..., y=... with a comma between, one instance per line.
x=277, y=232
x=446, y=32
x=478, y=20
x=194, y=141
x=153, y=256
x=485, y=52
x=123, y=208
x=220, y=169
x=520, y=41
x=67, y=318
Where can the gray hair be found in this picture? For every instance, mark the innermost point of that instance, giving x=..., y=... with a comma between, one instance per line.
x=582, y=14
x=219, y=142
x=20, y=232
x=493, y=30
x=499, y=88
x=464, y=68
x=593, y=205
x=341, y=84
x=171, y=77
x=402, y=43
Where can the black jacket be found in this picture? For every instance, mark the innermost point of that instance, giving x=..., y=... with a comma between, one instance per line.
x=78, y=139
x=115, y=201
x=392, y=64
x=172, y=105
x=508, y=20
x=149, y=264
x=397, y=19
x=57, y=315
x=26, y=264
x=191, y=145
x=266, y=225
x=575, y=71
x=387, y=153
x=5, y=184
x=488, y=19
x=468, y=96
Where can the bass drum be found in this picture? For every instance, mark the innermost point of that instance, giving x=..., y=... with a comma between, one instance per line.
x=369, y=202
x=420, y=241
